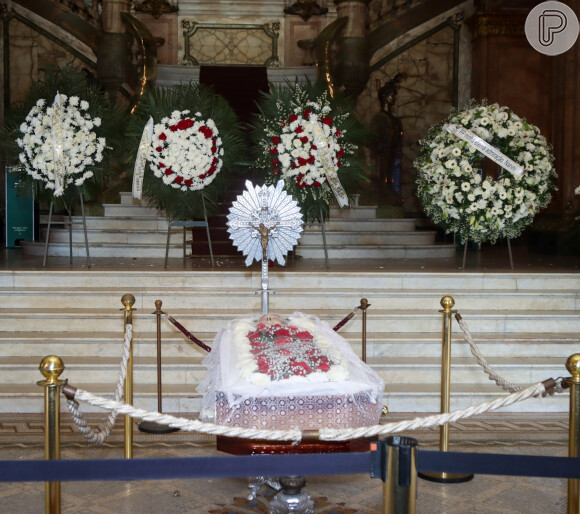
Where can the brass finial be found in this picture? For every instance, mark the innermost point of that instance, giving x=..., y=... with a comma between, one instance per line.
x=384, y=411
x=364, y=304
x=51, y=368
x=128, y=300
x=447, y=303
x=573, y=366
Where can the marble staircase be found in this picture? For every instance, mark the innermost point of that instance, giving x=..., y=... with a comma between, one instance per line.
x=131, y=229
x=526, y=326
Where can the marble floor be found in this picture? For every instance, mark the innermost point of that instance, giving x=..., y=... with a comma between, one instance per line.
x=21, y=438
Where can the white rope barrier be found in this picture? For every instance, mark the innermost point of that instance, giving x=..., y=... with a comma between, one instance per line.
x=326, y=434
x=492, y=375
x=98, y=437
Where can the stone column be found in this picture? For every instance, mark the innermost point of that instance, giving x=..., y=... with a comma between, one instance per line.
x=113, y=53
x=353, y=66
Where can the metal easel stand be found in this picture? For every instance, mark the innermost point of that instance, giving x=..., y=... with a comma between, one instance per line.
x=323, y=224
x=46, y=243
x=189, y=224
x=509, y=247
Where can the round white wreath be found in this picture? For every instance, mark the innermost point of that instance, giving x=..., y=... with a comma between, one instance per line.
x=81, y=148
x=186, y=151
x=456, y=194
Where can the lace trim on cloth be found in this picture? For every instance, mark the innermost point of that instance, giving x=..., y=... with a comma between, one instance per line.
x=350, y=398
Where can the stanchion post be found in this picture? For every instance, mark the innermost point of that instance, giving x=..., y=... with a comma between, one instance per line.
x=447, y=302
x=573, y=366
x=400, y=476
x=51, y=368
x=364, y=305
x=128, y=300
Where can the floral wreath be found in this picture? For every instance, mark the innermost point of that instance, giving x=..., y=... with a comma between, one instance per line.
x=453, y=189
x=69, y=126
x=186, y=151
x=191, y=156
x=310, y=141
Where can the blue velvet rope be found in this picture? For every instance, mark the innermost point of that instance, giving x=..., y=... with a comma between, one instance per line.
x=193, y=467
x=283, y=465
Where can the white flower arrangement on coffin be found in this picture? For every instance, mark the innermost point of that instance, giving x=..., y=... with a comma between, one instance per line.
x=186, y=151
x=452, y=187
x=72, y=136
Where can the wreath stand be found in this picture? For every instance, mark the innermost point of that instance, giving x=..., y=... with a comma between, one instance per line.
x=509, y=246
x=69, y=233
x=323, y=224
x=189, y=224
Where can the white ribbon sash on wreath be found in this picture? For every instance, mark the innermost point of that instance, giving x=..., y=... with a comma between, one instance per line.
x=141, y=159
x=57, y=145
x=322, y=144
x=486, y=149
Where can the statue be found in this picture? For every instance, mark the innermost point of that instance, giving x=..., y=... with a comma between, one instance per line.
x=387, y=145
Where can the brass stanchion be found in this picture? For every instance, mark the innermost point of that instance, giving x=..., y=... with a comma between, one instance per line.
x=573, y=366
x=150, y=427
x=364, y=305
x=51, y=368
x=400, y=486
x=444, y=477
x=128, y=300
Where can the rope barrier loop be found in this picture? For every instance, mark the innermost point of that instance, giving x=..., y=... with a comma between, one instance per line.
x=99, y=436
x=492, y=374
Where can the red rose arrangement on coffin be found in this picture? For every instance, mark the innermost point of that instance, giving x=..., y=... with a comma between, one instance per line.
x=297, y=374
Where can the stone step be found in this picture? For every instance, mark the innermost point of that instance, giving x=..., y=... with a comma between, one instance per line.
x=112, y=210
x=401, y=321
x=146, y=222
x=391, y=251
x=189, y=370
x=361, y=238
x=305, y=299
x=363, y=283
x=363, y=225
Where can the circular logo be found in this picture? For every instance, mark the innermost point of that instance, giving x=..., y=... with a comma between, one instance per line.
x=552, y=28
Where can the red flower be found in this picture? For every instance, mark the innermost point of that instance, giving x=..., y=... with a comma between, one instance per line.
x=275, y=140
x=314, y=147
x=178, y=180
x=282, y=332
x=338, y=164
x=327, y=120
x=307, y=113
x=302, y=161
x=182, y=124
x=338, y=133
x=162, y=136
x=213, y=149
x=169, y=171
x=304, y=139
x=273, y=151
x=299, y=130
x=159, y=149
x=311, y=159
x=304, y=335
x=274, y=162
x=173, y=128
x=340, y=153
x=293, y=117
x=323, y=367
x=161, y=165
x=188, y=182
x=300, y=368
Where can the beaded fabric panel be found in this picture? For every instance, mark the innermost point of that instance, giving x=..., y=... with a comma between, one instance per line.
x=309, y=412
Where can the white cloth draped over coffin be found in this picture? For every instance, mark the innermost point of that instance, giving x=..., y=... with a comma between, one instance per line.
x=298, y=374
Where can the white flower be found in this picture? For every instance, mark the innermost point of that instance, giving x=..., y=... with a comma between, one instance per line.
x=465, y=186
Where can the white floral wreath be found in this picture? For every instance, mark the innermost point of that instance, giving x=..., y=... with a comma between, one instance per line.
x=79, y=145
x=456, y=194
x=186, y=151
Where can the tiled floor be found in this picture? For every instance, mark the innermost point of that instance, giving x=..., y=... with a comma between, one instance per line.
x=497, y=433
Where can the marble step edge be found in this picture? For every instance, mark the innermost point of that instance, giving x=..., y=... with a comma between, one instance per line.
x=450, y=281
x=374, y=338
x=326, y=314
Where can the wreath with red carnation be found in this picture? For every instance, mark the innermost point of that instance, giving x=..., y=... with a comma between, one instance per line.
x=312, y=142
